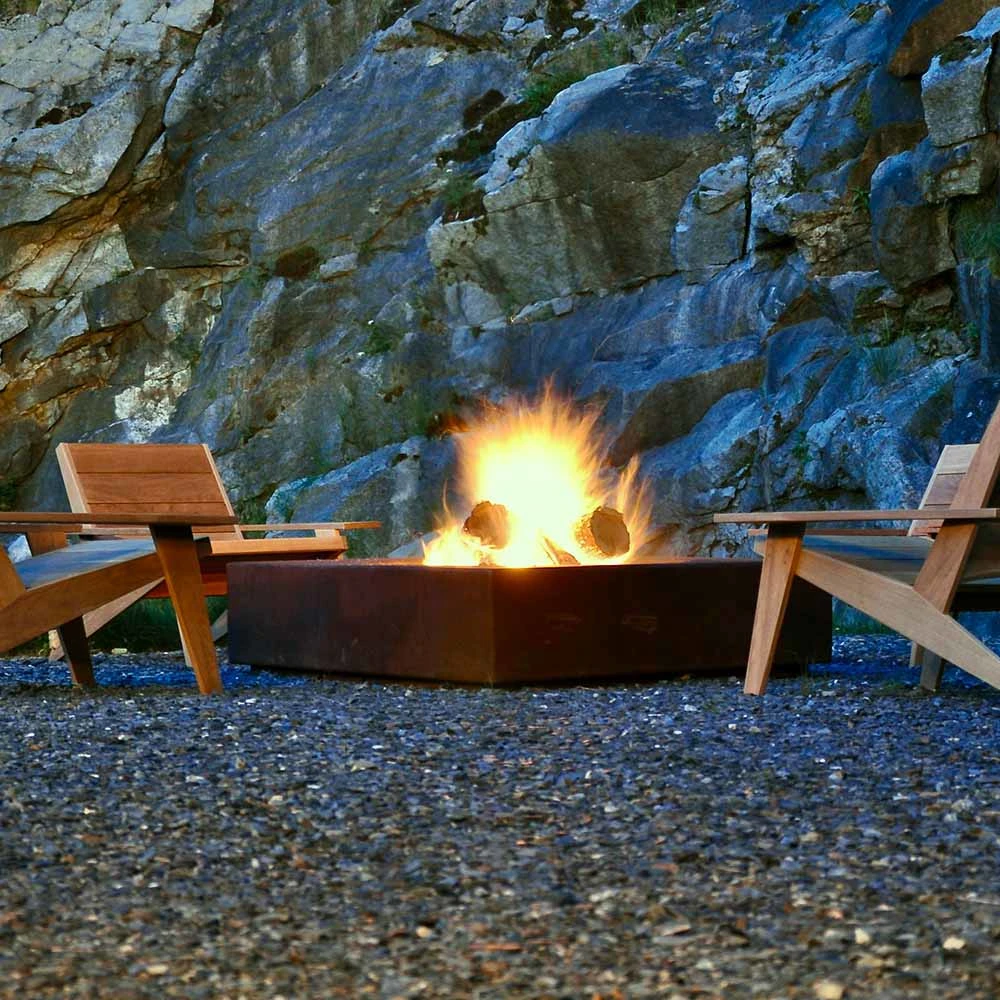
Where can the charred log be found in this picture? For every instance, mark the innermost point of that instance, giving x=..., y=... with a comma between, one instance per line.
x=490, y=523
x=603, y=533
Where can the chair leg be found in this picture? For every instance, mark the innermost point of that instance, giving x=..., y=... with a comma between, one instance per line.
x=781, y=555
x=182, y=572
x=932, y=667
x=73, y=638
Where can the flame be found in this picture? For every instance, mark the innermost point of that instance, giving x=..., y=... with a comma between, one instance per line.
x=545, y=462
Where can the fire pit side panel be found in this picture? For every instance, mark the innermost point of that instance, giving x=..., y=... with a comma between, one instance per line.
x=388, y=619
x=694, y=615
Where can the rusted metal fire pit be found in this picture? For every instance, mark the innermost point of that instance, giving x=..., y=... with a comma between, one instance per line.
x=488, y=625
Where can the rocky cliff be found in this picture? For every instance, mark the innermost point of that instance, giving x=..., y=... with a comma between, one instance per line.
x=765, y=236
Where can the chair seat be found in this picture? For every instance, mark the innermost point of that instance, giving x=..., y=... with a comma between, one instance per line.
x=73, y=560
x=899, y=557
x=896, y=556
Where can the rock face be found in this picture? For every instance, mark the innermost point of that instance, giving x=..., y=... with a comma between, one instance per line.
x=764, y=236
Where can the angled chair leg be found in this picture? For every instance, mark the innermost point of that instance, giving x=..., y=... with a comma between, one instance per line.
x=220, y=626
x=73, y=639
x=904, y=610
x=781, y=554
x=937, y=582
x=182, y=572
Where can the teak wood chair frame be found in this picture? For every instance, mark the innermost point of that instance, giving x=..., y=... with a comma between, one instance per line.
x=60, y=583
x=907, y=581
x=180, y=478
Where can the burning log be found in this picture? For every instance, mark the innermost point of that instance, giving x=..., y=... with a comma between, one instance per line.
x=603, y=533
x=490, y=523
x=558, y=555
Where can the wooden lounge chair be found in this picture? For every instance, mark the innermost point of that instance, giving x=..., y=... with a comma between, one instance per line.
x=949, y=561
x=105, y=478
x=60, y=583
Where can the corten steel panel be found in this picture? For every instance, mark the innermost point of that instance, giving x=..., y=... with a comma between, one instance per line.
x=497, y=626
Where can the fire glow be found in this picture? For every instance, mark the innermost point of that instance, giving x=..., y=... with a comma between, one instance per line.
x=541, y=493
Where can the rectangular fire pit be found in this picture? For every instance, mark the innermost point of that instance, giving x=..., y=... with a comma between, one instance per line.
x=509, y=626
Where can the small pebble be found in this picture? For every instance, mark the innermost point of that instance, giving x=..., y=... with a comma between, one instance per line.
x=825, y=989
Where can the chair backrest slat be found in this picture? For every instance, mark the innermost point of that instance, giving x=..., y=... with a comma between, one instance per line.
x=966, y=475
x=979, y=484
x=945, y=483
x=159, y=478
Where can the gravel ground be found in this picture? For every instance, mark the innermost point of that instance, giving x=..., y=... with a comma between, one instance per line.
x=310, y=837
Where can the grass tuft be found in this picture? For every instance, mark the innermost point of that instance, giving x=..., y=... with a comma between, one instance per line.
x=12, y=8
x=571, y=67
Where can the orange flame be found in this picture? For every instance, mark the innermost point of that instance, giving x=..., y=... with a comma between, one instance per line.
x=544, y=462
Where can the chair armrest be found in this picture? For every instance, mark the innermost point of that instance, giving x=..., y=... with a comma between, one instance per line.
x=311, y=526
x=12, y=522
x=810, y=516
x=846, y=532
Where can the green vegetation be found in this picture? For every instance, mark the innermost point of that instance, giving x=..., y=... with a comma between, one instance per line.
x=800, y=176
x=962, y=48
x=389, y=11
x=864, y=12
x=382, y=339
x=939, y=340
x=367, y=250
x=800, y=449
x=188, y=347
x=795, y=17
x=847, y=621
x=863, y=112
x=571, y=67
x=742, y=119
x=147, y=625
x=660, y=13
x=12, y=8
x=977, y=233
x=8, y=495
x=256, y=277
x=884, y=362
x=972, y=338
x=250, y=510
x=861, y=201
x=462, y=199
x=812, y=385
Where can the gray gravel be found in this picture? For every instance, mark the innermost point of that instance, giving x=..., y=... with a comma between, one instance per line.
x=310, y=837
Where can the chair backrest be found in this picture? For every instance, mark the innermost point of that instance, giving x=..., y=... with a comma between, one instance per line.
x=161, y=478
x=952, y=465
x=968, y=476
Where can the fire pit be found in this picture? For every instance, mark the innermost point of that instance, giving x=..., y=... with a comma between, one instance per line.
x=539, y=578
x=490, y=625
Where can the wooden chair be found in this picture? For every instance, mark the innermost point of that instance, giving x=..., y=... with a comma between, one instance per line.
x=913, y=582
x=60, y=583
x=181, y=478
